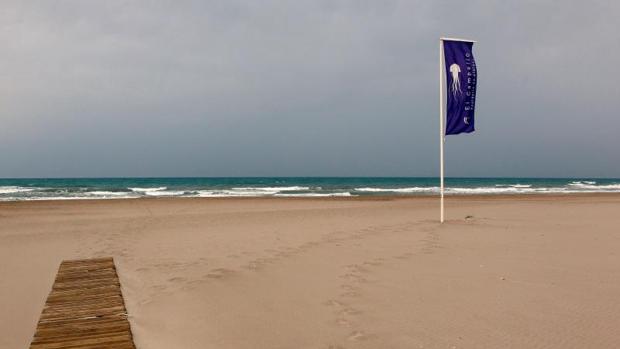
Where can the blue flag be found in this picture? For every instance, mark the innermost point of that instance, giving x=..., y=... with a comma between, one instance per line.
x=461, y=86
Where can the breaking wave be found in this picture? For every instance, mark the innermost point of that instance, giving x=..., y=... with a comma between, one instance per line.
x=13, y=189
x=147, y=190
x=69, y=189
x=398, y=190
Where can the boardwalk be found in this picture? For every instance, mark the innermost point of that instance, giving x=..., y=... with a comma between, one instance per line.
x=85, y=309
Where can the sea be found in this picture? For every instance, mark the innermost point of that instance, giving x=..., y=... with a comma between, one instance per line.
x=129, y=188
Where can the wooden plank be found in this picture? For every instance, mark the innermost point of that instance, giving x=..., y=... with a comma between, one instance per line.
x=85, y=309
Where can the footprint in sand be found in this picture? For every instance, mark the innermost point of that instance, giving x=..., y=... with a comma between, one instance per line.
x=404, y=255
x=357, y=268
x=357, y=336
x=350, y=276
x=350, y=311
x=219, y=273
x=342, y=311
x=349, y=287
x=159, y=287
x=282, y=254
x=350, y=294
x=253, y=266
x=177, y=279
x=343, y=322
x=333, y=303
x=354, y=277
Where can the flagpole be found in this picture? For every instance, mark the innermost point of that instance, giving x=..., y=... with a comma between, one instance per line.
x=442, y=118
x=441, y=129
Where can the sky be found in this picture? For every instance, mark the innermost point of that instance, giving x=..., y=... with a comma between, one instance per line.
x=304, y=88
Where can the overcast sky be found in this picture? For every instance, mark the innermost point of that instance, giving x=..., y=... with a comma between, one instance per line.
x=304, y=88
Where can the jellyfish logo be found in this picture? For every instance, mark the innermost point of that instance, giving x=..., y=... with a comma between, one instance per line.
x=456, y=82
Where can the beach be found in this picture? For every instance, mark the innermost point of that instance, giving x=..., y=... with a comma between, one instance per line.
x=504, y=271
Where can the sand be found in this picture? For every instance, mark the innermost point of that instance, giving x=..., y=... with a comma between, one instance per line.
x=522, y=272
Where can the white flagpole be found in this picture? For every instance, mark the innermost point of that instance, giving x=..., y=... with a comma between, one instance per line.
x=442, y=130
x=442, y=136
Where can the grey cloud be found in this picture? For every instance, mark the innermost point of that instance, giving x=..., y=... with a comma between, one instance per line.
x=219, y=88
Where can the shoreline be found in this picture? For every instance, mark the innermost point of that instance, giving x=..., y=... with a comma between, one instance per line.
x=458, y=197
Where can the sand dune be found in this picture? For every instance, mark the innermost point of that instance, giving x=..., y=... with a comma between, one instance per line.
x=521, y=272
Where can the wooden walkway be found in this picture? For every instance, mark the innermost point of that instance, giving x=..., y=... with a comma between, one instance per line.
x=85, y=309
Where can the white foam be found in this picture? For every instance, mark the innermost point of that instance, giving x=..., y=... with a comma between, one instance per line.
x=271, y=189
x=608, y=186
x=251, y=193
x=203, y=193
x=398, y=190
x=491, y=190
x=147, y=190
x=514, y=185
x=238, y=192
x=246, y=191
x=165, y=193
x=316, y=195
x=54, y=198
x=109, y=193
x=582, y=183
x=231, y=193
x=13, y=189
x=590, y=185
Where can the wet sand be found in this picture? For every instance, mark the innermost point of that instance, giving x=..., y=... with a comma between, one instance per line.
x=521, y=272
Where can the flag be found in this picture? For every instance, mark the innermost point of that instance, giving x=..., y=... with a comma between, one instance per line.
x=461, y=86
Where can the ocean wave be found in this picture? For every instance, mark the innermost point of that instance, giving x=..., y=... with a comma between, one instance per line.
x=108, y=189
x=271, y=189
x=14, y=189
x=514, y=185
x=265, y=191
x=109, y=193
x=398, y=190
x=232, y=193
x=578, y=183
x=165, y=193
x=490, y=190
x=54, y=198
x=301, y=195
x=593, y=186
x=609, y=186
x=147, y=190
